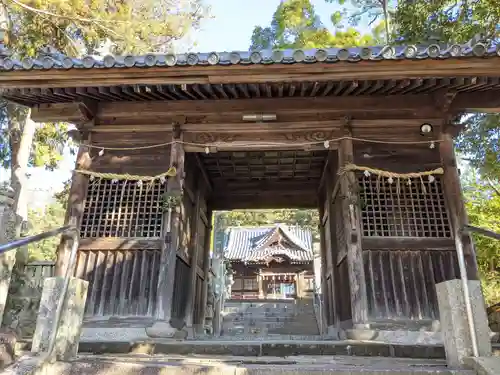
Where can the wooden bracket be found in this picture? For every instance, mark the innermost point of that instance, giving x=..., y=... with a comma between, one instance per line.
x=176, y=131
x=347, y=125
x=88, y=108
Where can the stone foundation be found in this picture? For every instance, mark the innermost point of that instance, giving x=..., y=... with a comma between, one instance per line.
x=454, y=323
x=68, y=335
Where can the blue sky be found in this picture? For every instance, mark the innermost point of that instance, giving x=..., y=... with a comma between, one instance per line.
x=234, y=20
x=229, y=30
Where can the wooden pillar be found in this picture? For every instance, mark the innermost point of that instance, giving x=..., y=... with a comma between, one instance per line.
x=352, y=229
x=170, y=244
x=454, y=197
x=332, y=240
x=324, y=265
x=76, y=203
x=194, y=260
x=206, y=270
x=260, y=284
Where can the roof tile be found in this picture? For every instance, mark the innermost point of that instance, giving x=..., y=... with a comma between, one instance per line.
x=327, y=55
x=243, y=242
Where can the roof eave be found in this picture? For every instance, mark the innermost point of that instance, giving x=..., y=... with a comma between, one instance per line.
x=254, y=73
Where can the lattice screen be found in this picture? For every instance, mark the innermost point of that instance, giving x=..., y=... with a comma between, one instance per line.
x=122, y=209
x=412, y=212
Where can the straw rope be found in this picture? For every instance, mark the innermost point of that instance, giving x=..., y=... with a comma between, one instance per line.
x=115, y=177
x=391, y=176
x=277, y=144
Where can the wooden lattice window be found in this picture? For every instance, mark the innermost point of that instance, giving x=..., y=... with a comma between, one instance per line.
x=122, y=209
x=250, y=284
x=414, y=208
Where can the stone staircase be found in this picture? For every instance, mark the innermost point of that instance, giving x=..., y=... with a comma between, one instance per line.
x=269, y=318
x=231, y=365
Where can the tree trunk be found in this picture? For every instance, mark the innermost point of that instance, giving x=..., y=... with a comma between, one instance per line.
x=22, y=130
x=386, y=18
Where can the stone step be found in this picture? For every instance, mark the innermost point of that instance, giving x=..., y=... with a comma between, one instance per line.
x=176, y=365
x=251, y=346
x=230, y=318
x=262, y=315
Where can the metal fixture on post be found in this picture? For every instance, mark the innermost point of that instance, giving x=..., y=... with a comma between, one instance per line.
x=425, y=128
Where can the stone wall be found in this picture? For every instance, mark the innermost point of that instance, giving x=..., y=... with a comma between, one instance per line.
x=494, y=320
x=25, y=293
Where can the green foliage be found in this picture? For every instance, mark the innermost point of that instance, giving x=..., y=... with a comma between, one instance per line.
x=76, y=27
x=480, y=144
x=447, y=20
x=304, y=218
x=483, y=207
x=42, y=220
x=378, y=12
x=62, y=197
x=68, y=25
x=48, y=143
x=295, y=24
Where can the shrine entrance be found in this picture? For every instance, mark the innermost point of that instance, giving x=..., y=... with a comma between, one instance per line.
x=165, y=141
x=280, y=286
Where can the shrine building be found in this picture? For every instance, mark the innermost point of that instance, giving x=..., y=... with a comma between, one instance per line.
x=364, y=135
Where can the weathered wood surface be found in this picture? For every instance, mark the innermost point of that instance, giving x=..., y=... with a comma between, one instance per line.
x=201, y=314
x=121, y=282
x=401, y=284
x=115, y=112
x=258, y=73
x=76, y=205
x=456, y=206
x=352, y=230
x=171, y=236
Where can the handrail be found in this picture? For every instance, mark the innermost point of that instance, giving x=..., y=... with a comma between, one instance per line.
x=481, y=231
x=30, y=239
x=68, y=229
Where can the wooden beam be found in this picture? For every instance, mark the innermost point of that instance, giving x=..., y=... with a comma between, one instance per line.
x=258, y=73
x=352, y=231
x=76, y=202
x=407, y=243
x=224, y=127
x=341, y=104
x=204, y=174
x=171, y=235
x=200, y=319
x=258, y=187
x=115, y=243
x=264, y=201
x=455, y=202
x=76, y=113
x=476, y=102
x=195, y=238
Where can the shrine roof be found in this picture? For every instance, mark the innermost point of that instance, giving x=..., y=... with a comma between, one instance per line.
x=250, y=243
x=54, y=60
x=53, y=78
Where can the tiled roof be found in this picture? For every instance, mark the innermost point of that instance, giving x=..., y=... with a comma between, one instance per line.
x=329, y=55
x=246, y=244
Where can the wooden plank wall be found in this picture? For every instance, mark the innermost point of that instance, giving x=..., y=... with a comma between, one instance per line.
x=407, y=238
x=401, y=283
x=336, y=288
x=195, y=226
x=121, y=229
